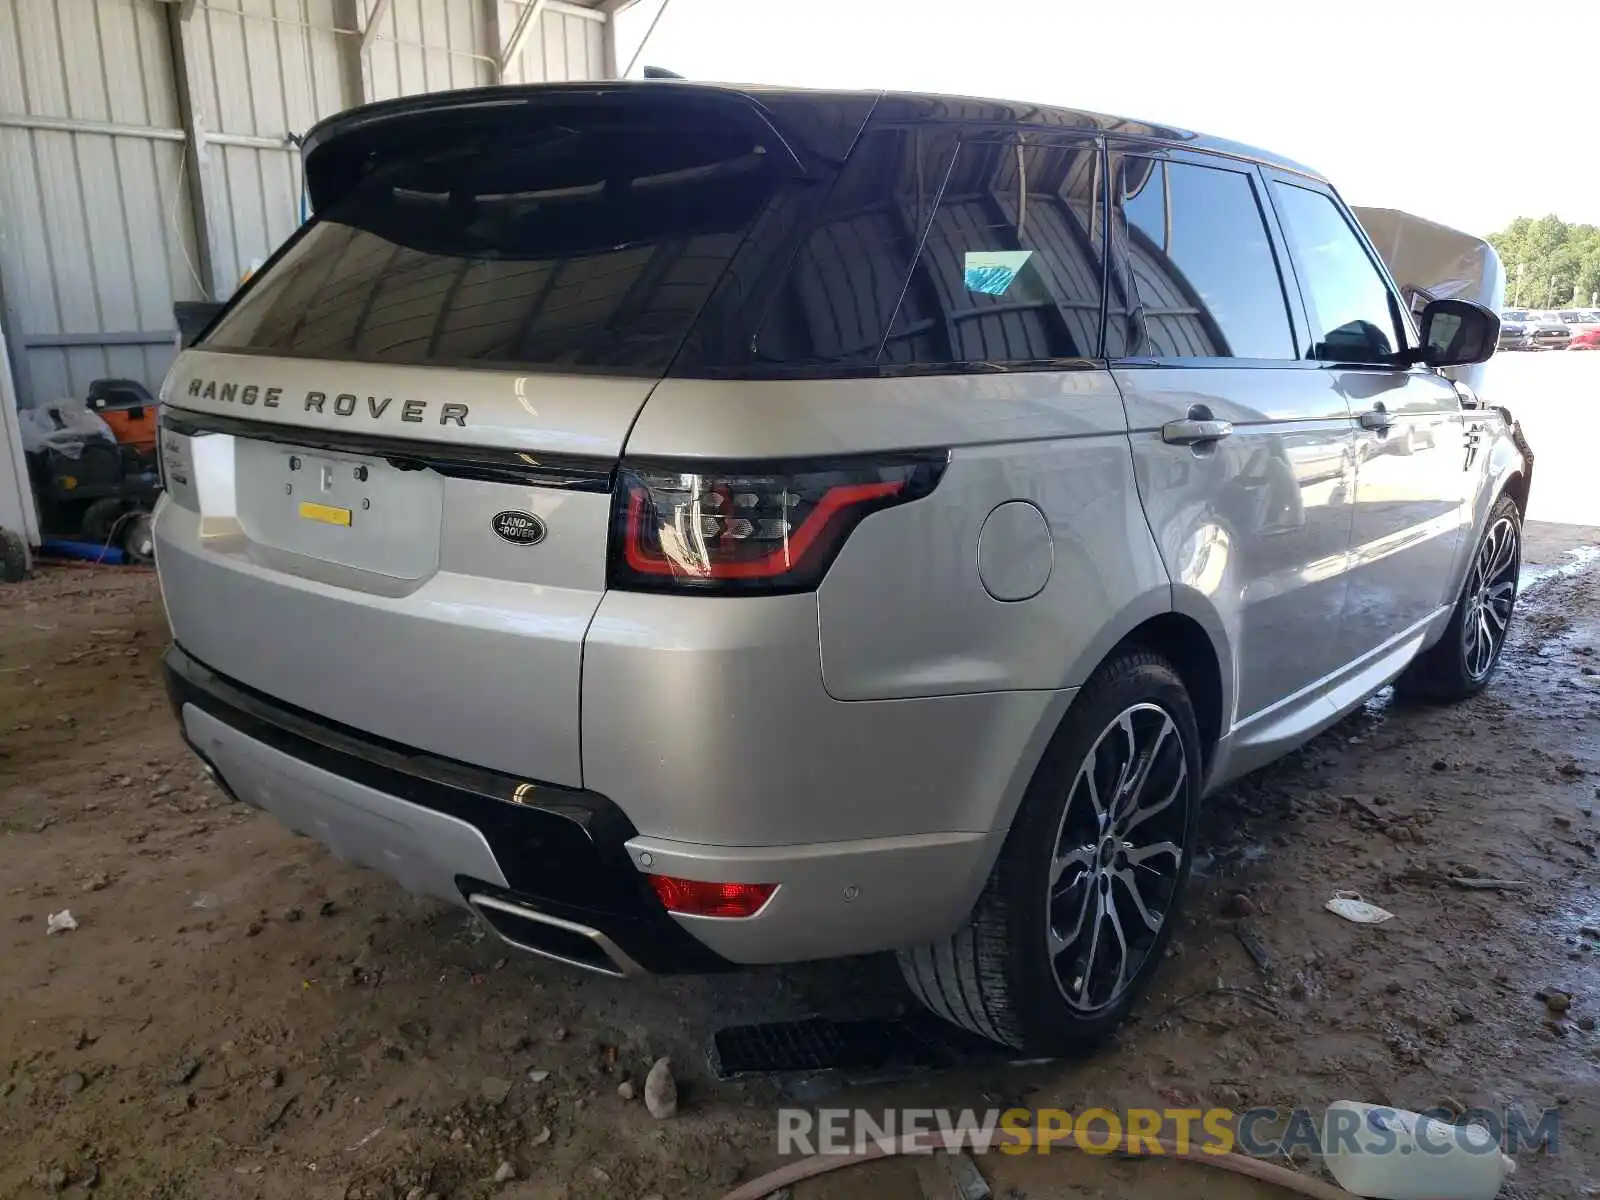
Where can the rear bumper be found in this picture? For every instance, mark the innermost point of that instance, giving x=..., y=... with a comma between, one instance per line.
x=557, y=855
x=560, y=871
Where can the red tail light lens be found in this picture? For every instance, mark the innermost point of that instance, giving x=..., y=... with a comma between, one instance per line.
x=750, y=529
x=698, y=898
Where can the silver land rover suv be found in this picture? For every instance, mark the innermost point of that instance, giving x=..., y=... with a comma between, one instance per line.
x=699, y=525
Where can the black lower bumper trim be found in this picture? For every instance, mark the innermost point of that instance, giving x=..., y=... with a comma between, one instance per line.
x=562, y=850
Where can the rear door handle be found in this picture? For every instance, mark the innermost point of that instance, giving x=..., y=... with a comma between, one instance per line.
x=1376, y=418
x=1192, y=430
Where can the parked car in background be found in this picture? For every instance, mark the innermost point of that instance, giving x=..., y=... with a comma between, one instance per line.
x=1549, y=331
x=695, y=526
x=1585, y=339
x=1576, y=319
x=1515, y=335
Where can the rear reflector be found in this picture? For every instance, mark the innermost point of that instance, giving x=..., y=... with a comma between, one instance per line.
x=698, y=898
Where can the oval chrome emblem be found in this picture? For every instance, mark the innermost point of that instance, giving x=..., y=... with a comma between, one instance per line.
x=518, y=528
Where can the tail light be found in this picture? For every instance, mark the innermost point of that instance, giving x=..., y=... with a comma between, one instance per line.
x=699, y=898
x=753, y=529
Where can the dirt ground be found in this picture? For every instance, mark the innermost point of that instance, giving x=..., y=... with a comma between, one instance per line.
x=237, y=1014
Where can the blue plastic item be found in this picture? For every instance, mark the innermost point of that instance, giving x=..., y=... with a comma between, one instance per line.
x=88, y=551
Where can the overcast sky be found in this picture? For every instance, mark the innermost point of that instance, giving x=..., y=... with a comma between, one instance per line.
x=1397, y=101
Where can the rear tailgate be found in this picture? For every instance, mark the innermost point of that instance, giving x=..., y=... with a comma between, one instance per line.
x=389, y=462
x=370, y=578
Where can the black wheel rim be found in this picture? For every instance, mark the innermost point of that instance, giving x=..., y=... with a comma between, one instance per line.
x=1491, y=593
x=139, y=539
x=1117, y=857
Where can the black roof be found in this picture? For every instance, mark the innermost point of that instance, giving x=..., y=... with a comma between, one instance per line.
x=819, y=121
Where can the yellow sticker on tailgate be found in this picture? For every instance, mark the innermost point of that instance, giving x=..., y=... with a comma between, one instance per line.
x=326, y=513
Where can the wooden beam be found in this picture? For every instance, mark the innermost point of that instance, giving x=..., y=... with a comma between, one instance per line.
x=369, y=32
x=520, y=32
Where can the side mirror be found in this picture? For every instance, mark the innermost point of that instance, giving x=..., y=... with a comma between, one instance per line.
x=1457, y=332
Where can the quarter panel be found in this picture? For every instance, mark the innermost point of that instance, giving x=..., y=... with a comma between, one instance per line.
x=706, y=720
x=904, y=611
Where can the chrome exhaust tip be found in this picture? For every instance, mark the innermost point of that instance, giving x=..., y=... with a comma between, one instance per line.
x=553, y=937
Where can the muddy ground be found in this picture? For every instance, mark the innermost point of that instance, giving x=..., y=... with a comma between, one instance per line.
x=237, y=1014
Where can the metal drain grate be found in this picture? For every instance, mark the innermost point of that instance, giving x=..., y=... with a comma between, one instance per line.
x=911, y=1043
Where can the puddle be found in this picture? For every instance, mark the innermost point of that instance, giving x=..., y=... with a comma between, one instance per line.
x=1579, y=559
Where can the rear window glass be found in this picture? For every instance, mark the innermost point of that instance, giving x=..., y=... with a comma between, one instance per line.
x=926, y=255
x=1010, y=267
x=840, y=292
x=565, y=248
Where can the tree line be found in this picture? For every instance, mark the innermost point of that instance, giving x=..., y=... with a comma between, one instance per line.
x=1549, y=263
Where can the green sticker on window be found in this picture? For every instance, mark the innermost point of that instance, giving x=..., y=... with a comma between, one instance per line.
x=992, y=272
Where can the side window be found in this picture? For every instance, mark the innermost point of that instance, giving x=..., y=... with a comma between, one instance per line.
x=1010, y=271
x=1352, y=316
x=842, y=286
x=1198, y=266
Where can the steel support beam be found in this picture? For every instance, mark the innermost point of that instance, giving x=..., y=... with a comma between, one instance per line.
x=352, y=62
x=645, y=41
x=576, y=10
x=75, y=125
x=181, y=33
x=249, y=141
x=528, y=18
x=369, y=31
x=17, y=512
x=134, y=337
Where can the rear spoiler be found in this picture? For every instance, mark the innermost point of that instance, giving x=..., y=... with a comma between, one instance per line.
x=344, y=149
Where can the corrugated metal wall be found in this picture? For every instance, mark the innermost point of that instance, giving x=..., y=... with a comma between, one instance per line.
x=116, y=201
x=260, y=71
x=566, y=45
x=93, y=237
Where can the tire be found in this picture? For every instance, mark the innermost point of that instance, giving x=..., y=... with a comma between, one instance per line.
x=1000, y=974
x=100, y=519
x=13, y=557
x=1457, y=666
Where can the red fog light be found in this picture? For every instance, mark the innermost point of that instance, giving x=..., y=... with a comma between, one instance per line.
x=698, y=898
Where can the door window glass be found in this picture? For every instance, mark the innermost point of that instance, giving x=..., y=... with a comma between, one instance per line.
x=1204, y=278
x=1010, y=270
x=1352, y=318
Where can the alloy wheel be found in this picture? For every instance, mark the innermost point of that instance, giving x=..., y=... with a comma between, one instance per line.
x=1491, y=593
x=1117, y=856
